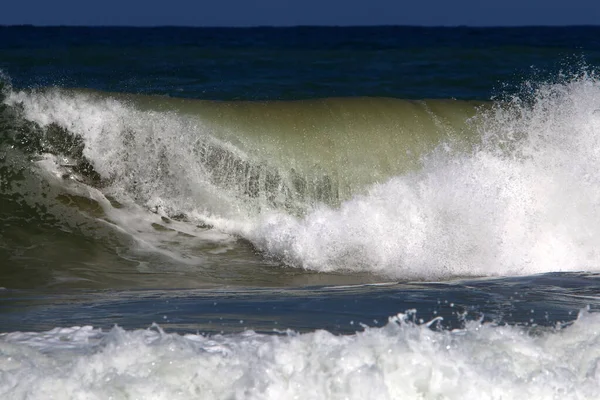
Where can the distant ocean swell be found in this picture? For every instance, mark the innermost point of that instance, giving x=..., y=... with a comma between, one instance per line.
x=403, y=189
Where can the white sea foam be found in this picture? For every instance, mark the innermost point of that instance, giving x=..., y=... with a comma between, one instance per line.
x=149, y=155
x=524, y=201
x=401, y=360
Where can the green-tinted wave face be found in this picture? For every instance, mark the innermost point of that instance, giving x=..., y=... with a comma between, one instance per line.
x=285, y=154
x=328, y=149
x=77, y=164
x=288, y=155
x=219, y=191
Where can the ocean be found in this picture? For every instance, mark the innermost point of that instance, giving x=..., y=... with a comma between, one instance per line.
x=299, y=213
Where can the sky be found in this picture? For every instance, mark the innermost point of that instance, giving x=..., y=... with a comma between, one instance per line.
x=301, y=12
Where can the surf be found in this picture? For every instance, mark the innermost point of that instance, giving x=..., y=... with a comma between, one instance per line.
x=403, y=189
x=402, y=359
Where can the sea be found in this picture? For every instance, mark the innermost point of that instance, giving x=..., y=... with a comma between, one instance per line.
x=299, y=213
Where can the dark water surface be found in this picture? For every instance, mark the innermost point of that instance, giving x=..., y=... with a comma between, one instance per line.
x=294, y=63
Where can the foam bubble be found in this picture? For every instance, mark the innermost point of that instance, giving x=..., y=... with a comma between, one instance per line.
x=400, y=360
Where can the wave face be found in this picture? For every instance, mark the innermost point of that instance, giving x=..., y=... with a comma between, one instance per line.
x=274, y=155
x=402, y=189
x=400, y=360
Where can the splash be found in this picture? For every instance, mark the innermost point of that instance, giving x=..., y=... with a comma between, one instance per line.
x=518, y=196
x=400, y=360
x=525, y=201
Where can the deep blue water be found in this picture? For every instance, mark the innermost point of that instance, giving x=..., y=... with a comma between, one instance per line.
x=296, y=63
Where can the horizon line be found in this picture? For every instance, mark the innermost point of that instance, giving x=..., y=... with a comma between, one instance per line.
x=159, y=26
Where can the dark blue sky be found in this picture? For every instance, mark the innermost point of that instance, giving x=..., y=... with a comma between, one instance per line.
x=300, y=12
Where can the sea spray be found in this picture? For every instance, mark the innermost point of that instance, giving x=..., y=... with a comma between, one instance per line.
x=519, y=197
x=524, y=201
x=238, y=159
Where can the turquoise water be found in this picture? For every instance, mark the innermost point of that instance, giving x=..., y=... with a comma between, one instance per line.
x=260, y=213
